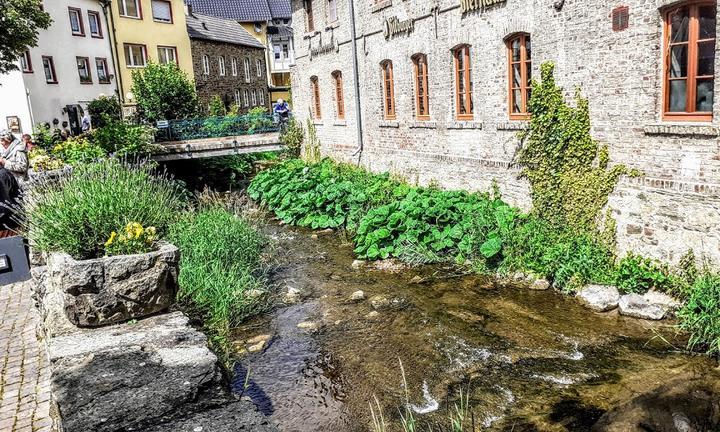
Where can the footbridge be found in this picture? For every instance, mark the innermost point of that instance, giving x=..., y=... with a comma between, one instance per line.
x=216, y=136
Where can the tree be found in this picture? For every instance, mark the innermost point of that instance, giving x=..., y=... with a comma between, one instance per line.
x=20, y=21
x=105, y=109
x=164, y=92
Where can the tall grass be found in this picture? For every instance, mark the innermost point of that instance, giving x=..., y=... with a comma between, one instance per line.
x=221, y=278
x=700, y=316
x=77, y=214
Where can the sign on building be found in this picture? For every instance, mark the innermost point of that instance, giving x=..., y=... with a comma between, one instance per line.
x=394, y=26
x=471, y=5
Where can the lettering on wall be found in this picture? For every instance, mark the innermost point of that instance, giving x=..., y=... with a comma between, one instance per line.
x=393, y=26
x=470, y=5
x=324, y=49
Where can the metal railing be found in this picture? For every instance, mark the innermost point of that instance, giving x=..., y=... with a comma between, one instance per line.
x=217, y=127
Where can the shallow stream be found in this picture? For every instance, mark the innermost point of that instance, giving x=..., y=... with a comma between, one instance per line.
x=528, y=360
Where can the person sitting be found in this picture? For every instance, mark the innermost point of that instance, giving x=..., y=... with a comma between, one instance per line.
x=9, y=195
x=13, y=155
x=282, y=109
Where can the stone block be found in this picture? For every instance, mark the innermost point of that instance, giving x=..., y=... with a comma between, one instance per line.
x=599, y=298
x=636, y=306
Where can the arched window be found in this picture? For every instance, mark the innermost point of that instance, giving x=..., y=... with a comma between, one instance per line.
x=221, y=65
x=246, y=98
x=690, y=61
x=315, y=90
x=237, y=97
x=463, y=83
x=519, y=75
x=422, y=98
x=206, y=65
x=247, y=69
x=339, y=99
x=388, y=90
x=233, y=66
x=309, y=13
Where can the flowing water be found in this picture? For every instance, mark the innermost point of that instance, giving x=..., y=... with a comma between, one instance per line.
x=526, y=360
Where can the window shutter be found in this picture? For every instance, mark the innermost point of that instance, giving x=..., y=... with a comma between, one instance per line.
x=621, y=18
x=162, y=10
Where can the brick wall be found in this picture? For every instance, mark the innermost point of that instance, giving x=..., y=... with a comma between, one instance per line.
x=213, y=84
x=619, y=72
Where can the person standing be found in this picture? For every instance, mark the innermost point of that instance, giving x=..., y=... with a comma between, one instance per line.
x=86, y=125
x=9, y=195
x=13, y=155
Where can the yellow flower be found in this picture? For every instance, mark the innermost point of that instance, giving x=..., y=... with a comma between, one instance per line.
x=111, y=239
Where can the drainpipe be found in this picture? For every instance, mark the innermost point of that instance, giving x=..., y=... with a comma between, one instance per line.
x=112, y=41
x=356, y=76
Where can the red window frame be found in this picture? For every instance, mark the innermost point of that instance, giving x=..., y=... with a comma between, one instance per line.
x=51, y=63
x=99, y=34
x=463, y=83
x=524, y=63
x=422, y=92
x=78, y=12
x=692, y=77
x=28, y=62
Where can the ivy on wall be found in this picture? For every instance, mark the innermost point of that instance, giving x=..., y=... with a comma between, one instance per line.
x=567, y=169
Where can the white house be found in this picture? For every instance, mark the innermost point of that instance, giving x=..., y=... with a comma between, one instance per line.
x=72, y=65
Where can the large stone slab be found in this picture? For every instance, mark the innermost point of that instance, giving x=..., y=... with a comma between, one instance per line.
x=637, y=306
x=108, y=290
x=599, y=298
x=238, y=416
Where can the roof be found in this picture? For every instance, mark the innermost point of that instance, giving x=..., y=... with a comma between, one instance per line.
x=244, y=10
x=218, y=29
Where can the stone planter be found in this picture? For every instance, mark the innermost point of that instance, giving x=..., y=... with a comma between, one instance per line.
x=109, y=290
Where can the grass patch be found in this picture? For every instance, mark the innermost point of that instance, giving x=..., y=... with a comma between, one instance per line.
x=221, y=278
x=78, y=214
x=700, y=317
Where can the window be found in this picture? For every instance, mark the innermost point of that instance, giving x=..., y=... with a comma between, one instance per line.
x=206, y=65
x=162, y=11
x=135, y=55
x=422, y=99
x=247, y=69
x=258, y=67
x=130, y=8
x=620, y=18
x=26, y=62
x=339, y=99
x=167, y=54
x=520, y=75
x=258, y=27
x=332, y=11
x=221, y=65
x=246, y=98
x=253, y=95
x=76, y=22
x=237, y=97
x=95, y=24
x=309, y=13
x=102, y=71
x=463, y=83
x=690, y=62
x=315, y=89
x=83, y=65
x=261, y=97
x=233, y=66
x=49, y=67
x=388, y=90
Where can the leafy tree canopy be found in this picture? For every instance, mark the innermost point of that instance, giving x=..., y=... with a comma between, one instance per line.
x=164, y=92
x=20, y=21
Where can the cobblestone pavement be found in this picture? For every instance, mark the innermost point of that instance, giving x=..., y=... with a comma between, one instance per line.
x=24, y=366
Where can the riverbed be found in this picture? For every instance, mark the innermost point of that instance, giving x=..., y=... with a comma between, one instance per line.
x=526, y=360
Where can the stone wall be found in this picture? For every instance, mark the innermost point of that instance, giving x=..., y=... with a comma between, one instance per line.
x=213, y=84
x=620, y=72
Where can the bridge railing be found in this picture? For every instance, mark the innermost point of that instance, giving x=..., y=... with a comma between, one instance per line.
x=216, y=127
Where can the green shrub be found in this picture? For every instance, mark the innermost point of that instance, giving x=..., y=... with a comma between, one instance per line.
x=293, y=138
x=78, y=214
x=104, y=109
x=220, y=264
x=77, y=150
x=216, y=108
x=323, y=195
x=636, y=274
x=163, y=92
x=43, y=137
x=700, y=316
x=122, y=138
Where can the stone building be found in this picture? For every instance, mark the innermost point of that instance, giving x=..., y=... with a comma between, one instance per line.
x=227, y=62
x=443, y=87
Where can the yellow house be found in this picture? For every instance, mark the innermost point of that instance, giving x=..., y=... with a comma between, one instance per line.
x=147, y=30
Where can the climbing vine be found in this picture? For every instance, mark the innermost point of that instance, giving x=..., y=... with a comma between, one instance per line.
x=567, y=169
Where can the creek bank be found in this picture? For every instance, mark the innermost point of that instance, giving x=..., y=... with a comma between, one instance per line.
x=148, y=371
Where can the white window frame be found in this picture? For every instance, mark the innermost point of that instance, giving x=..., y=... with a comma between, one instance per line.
x=129, y=60
x=253, y=96
x=246, y=98
x=261, y=97
x=102, y=61
x=246, y=63
x=332, y=11
x=77, y=13
x=165, y=49
x=170, y=12
x=49, y=66
x=233, y=66
x=258, y=66
x=95, y=16
x=122, y=7
x=26, y=62
x=206, y=64
x=221, y=65
x=237, y=97
x=86, y=63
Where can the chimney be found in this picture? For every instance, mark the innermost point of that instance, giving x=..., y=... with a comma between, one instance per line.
x=188, y=8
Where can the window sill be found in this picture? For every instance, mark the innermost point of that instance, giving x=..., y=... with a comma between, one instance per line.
x=516, y=125
x=389, y=124
x=131, y=17
x=682, y=129
x=333, y=25
x=79, y=34
x=340, y=123
x=317, y=122
x=381, y=5
x=97, y=36
x=162, y=22
x=28, y=71
x=464, y=124
x=419, y=124
x=310, y=34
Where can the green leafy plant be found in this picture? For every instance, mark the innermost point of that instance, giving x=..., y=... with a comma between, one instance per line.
x=163, y=92
x=43, y=136
x=21, y=21
x=105, y=109
x=77, y=150
x=77, y=214
x=216, y=107
x=292, y=138
x=700, y=316
x=40, y=160
x=122, y=138
x=636, y=274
